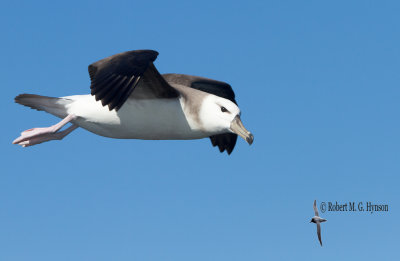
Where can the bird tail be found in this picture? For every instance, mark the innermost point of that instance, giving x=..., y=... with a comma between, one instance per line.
x=52, y=105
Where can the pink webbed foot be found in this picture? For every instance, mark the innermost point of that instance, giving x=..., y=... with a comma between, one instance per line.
x=33, y=133
x=39, y=135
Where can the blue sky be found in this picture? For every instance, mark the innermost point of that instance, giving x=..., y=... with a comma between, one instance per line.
x=317, y=83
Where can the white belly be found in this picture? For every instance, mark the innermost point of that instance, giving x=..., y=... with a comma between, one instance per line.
x=155, y=119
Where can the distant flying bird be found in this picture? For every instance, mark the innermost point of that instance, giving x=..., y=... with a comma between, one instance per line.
x=317, y=220
x=142, y=104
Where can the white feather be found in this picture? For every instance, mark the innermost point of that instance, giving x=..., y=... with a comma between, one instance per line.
x=151, y=119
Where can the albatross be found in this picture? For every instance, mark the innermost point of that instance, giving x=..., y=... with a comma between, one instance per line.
x=130, y=99
x=317, y=220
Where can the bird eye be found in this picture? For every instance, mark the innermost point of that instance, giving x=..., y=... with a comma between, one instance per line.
x=223, y=109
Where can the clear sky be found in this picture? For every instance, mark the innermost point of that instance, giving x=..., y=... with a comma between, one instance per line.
x=317, y=83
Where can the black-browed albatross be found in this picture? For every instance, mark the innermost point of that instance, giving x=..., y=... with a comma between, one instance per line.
x=130, y=99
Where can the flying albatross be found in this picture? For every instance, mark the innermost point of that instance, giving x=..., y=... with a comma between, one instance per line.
x=317, y=220
x=130, y=99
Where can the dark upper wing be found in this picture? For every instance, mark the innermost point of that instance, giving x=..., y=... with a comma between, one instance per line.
x=114, y=78
x=226, y=141
x=217, y=88
x=315, y=208
x=319, y=232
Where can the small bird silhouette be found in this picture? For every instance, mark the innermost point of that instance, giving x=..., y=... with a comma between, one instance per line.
x=317, y=220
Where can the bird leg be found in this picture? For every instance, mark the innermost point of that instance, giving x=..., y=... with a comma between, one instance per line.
x=38, y=135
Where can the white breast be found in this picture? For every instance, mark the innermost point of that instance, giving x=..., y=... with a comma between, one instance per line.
x=155, y=119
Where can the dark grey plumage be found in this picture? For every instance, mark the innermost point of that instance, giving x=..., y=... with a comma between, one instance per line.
x=317, y=220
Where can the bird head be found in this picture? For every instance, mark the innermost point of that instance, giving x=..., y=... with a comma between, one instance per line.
x=219, y=115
